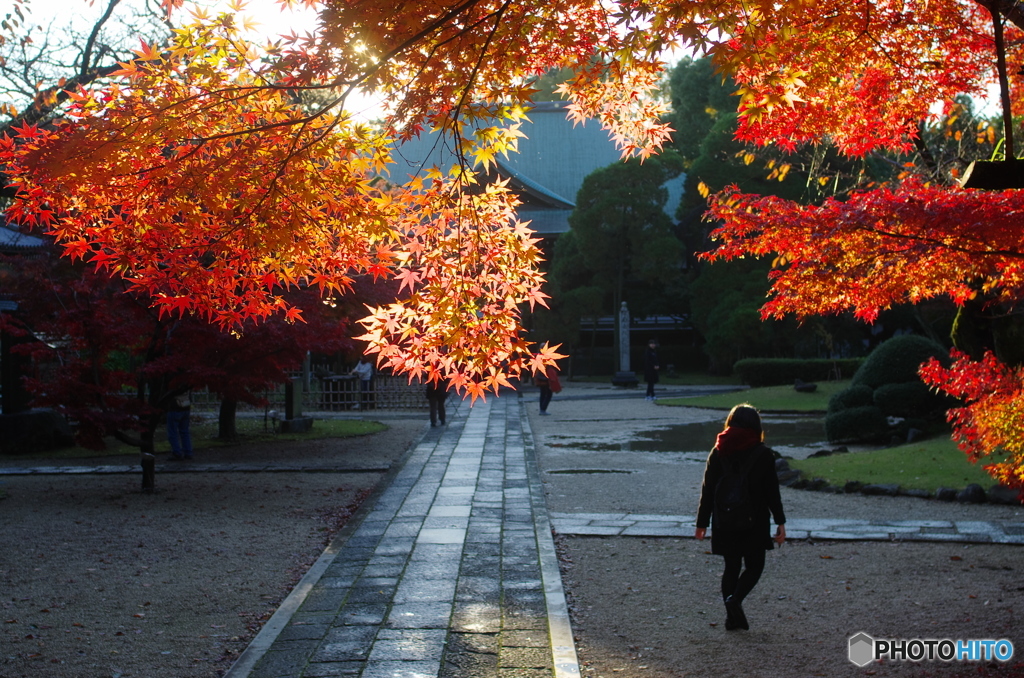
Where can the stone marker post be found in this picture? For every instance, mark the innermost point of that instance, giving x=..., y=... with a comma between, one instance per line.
x=624, y=377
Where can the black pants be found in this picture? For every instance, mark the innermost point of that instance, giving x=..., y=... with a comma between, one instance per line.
x=545, y=397
x=739, y=585
x=437, y=407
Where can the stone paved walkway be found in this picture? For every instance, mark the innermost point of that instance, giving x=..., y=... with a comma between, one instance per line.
x=450, y=572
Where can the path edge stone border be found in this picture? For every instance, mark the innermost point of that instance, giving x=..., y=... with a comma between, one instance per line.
x=563, y=645
x=263, y=640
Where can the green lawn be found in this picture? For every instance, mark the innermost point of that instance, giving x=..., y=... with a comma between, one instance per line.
x=925, y=465
x=767, y=398
x=204, y=436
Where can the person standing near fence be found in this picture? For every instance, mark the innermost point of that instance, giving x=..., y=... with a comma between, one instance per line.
x=437, y=395
x=179, y=415
x=364, y=370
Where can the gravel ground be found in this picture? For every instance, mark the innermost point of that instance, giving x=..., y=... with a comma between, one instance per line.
x=650, y=607
x=98, y=580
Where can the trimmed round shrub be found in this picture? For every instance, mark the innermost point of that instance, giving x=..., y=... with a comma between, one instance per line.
x=863, y=423
x=909, y=399
x=855, y=396
x=896, y=360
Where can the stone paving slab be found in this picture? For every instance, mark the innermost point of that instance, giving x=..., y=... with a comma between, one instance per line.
x=449, y=572
x=618, y=524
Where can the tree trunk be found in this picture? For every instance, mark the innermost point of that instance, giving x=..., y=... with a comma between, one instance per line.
x=226, y=429
x=148, y=436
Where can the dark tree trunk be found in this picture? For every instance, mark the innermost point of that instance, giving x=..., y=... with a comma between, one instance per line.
x=147, y=436
x=226, y=429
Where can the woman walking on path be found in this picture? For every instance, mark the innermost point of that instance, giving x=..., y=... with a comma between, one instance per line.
x=739, y=492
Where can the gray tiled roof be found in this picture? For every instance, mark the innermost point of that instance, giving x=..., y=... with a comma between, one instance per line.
x=11, y=239
x=553, y=160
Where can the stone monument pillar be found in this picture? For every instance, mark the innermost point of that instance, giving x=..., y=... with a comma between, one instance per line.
x=294, y=422
x=624, y=377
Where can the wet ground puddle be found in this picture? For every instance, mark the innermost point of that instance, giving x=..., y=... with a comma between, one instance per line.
x=780, y=431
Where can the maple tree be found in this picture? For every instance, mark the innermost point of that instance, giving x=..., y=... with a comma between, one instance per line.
x=105, y=360
x=195, y=177
x=920, y=237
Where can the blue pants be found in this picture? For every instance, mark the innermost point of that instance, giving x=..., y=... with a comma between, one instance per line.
x=178, y=434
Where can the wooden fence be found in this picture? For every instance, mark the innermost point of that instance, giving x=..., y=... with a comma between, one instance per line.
x=338, y=394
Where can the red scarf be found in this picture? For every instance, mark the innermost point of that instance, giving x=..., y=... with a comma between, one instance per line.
x=736, y=439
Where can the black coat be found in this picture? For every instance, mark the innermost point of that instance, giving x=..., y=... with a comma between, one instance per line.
x=764, y=493
x=651, y=366
x=438, y=389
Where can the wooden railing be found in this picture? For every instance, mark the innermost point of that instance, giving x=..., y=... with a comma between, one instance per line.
x=337, y=394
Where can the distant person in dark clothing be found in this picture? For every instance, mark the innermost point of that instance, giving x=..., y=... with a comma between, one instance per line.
x=549, y=384
x=740, y=448
x=651, y=367
x=437, y=394
x=179, y=415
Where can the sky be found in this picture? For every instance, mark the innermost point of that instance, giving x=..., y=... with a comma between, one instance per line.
x=273, y=21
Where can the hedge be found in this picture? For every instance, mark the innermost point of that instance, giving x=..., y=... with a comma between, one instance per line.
x=909, y=399
x=865, y=423
x=896, y=360
x=855, y=396
x=778, y=371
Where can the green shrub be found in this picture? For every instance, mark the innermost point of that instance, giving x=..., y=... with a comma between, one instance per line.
x=896, y=360
x=909, y=399
x=855, y=396
x=780, y=371
x=864, y=423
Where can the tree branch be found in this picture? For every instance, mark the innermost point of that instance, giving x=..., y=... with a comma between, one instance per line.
x=90, y=43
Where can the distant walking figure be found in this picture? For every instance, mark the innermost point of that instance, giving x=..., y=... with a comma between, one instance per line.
x=651, y=367
x=549, y=384
x=437, y=394
x=739, y=492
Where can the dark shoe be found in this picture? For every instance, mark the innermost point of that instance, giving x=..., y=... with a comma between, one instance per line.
x=735, y=612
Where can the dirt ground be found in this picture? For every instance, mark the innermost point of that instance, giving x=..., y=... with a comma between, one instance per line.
x=651, y=607
x=98, y=580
